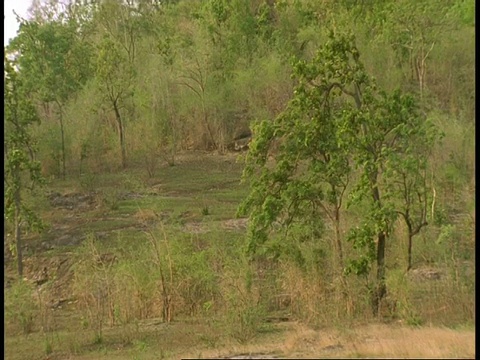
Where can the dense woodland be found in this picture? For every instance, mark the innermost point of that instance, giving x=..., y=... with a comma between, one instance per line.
x=361, y=165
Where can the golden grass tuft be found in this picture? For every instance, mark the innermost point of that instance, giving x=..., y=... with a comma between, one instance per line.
x=370, y=341
x=145, y=216
x=388, y=341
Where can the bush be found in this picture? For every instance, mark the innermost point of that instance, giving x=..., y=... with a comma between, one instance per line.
x=244, y=321
x=110, y=199
x=21, y=308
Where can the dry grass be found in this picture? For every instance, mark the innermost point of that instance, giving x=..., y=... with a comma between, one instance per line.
x=371, y=341
x=290, y=340
x=306, y=296
x=387, y=341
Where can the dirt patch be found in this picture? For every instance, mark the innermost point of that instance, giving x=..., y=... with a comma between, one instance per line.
x=235, y=224
x=72, y=201
x=195, y=228
x=53, y=277
x=298, y=341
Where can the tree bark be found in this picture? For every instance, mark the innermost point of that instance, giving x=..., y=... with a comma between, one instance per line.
x=205, y=119
x=62, y=131
x=409, y=251
x=121, y=134
x=381, y=288
x=338, y=238
x=18, y=233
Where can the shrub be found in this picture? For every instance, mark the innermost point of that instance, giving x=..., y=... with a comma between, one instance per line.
x=20, y=306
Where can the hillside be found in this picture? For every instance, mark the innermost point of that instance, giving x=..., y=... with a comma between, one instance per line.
x=226, y=178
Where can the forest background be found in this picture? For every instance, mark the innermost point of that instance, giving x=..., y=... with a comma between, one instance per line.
x=108, y=97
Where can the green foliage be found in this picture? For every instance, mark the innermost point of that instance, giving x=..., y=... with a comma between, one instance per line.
x=465, y=10
x=312, y=165
x=337, y=128
x=112, y=70
x=111, y=198
x=20, y=305
x=244, y=322
x=55, y=62
x=244, y=312
x=19, y=155
x=193, y=261
x=205, y=210
x=341, y=163
x=88, y=182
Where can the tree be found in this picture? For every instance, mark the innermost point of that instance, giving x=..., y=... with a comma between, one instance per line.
x=336, y=124
x=413, y=28
x=406, y=179
x=54, y=60
x=114, y=75
x=196, y=79
x=311, y=168
x=19, y=155
x=119, y=26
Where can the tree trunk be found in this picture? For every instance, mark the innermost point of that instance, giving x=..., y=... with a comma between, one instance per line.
x=409, y=251
x=381, y=288
x=62, y=131
x=121, y=135
x=18, y=239
x=207, y=124
x=338, y=238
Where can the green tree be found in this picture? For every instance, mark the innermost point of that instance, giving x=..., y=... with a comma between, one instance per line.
x=337, y=123
x=406, y=177
x=55, y=61
x=19, y=155
x=413, y=29
x=119, y=29
x=114, y=75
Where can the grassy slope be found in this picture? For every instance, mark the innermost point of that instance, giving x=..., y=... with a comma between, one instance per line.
x=199, y=194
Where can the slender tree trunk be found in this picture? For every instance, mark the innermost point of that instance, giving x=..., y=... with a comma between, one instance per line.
x=380, y=288
x=121, y=135
x=62, y=131
x=409, y=250
x=338, y=238
x=18, y=239
x=342, y=290
x=205, y=119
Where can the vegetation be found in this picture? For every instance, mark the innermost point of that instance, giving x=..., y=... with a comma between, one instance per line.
x=356, y=204
x=19, y=156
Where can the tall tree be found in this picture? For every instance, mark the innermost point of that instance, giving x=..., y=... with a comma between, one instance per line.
x=336, y=123
x=54, y=60
x=413, y=29
x=406, y=178
x=19, y=155
x=114, y=76
x=119, y=27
